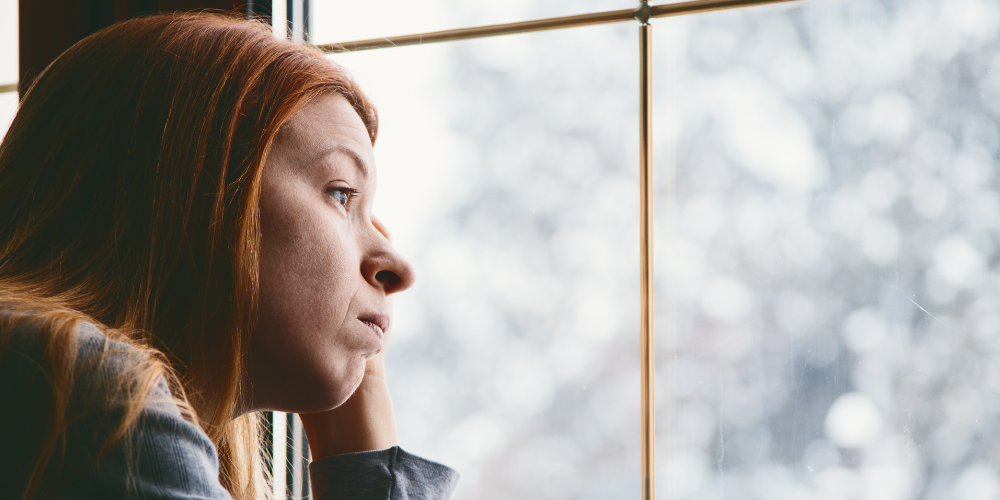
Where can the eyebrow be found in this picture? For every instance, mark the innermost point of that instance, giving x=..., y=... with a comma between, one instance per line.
x=359, y=162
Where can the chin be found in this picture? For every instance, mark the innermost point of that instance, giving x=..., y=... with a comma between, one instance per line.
x=331, y=390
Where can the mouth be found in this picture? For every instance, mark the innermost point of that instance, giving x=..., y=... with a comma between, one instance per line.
x=377, y=323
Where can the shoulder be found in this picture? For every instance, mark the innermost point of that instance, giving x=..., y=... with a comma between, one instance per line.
x=160, y=452
x=34, y=337
x=37, y=361
x=45, y=359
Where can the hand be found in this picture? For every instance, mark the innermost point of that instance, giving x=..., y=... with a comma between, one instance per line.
x=364, y=422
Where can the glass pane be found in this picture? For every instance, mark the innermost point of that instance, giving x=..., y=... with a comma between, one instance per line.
x=338, y=21
x=8, y=41
x=829, y=292
x=507, y=175
x=8, y=61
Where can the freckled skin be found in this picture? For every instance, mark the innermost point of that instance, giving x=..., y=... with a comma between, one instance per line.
x=322, y=265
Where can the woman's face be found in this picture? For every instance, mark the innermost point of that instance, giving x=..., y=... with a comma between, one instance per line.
x=326, y=266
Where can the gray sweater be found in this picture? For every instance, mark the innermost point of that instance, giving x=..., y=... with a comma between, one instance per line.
x=166, y=457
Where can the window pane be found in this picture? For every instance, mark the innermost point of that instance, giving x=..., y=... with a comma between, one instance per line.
x=832, y=262
x=507, y=172
x=343, y=21
x=8, y=41
x=8, y=61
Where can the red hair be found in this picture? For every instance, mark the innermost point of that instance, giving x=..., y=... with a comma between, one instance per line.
x=129, y=185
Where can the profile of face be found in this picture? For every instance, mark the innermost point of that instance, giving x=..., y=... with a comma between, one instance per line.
x=327, y=269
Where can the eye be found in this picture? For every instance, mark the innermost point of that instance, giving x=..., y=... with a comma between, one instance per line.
x=342, y=195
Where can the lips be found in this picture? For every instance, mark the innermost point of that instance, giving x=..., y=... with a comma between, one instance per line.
x=378, y=323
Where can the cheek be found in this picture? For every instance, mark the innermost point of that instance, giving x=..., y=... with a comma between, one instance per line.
x=305, y=346
x=306, y=269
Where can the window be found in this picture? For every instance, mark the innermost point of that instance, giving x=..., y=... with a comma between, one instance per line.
x=507, y=175
x=826, y=220
x=826, y=217
x=832, y=267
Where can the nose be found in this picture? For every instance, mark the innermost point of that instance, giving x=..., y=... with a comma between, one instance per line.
x=383, y=267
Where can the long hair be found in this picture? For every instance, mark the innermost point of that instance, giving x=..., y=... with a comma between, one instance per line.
x=129, y=185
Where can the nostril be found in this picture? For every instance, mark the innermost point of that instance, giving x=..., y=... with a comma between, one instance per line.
x=387, y=278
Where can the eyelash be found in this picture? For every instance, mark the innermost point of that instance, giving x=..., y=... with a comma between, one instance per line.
x=350, y=192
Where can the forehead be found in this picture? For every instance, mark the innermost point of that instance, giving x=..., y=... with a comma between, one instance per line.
x=324, y=123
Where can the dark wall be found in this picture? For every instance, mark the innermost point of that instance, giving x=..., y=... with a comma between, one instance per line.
x=49, y=27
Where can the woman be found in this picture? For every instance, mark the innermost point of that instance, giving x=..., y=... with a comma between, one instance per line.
x=186, y=240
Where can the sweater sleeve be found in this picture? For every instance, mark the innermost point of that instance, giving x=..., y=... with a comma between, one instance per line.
x=169, y=458
x=164, y=457
x=390, y=474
